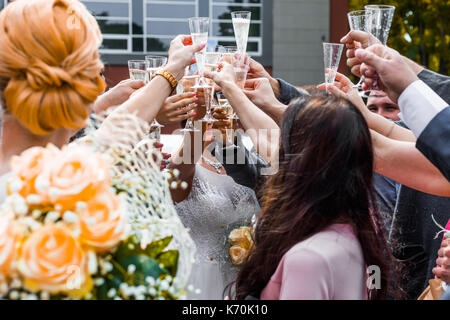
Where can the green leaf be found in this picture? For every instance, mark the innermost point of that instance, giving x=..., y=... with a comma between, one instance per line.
x=131, y=247
x=145, y=266
x=169, y=259
x=156, y=247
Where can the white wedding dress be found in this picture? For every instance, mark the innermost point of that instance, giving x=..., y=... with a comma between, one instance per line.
x=215, y=206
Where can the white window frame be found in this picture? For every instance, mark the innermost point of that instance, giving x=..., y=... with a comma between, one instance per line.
x=259, y=40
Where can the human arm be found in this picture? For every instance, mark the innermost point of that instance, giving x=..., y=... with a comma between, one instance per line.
x=260, y=93
x=283, y=91
x=402, y=162
x=343, y=88
x=117, y=95
x=261, y=128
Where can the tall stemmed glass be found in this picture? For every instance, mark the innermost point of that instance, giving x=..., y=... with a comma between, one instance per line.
x=357, y=20
x=241, y=26
x=331, y=57
x=379, y=23
x=188, y=83
x=226, y=109
x=199, y=28
x=212, y=59
x=154, y=63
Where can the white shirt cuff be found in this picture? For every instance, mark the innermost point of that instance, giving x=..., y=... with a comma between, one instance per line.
x=419, y=104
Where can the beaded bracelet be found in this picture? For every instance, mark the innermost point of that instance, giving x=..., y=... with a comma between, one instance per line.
x=168, y=76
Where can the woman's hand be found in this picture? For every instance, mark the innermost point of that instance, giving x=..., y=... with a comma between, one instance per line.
x=176, y=108
x=181, y=54
x=226, y=78
x=343, y=88
x=260, y=92
x=443, y=261
x=117, y=95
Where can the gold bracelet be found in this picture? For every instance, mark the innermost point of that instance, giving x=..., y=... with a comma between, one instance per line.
x=168, y=76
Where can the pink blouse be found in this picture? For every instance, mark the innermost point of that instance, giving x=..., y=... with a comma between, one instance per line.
x=327, y=266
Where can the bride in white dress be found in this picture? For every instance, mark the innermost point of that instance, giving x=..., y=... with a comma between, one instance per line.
x=215, y=206
x=214, y=203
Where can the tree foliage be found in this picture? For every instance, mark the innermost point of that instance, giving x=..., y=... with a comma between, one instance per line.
x=420, y=30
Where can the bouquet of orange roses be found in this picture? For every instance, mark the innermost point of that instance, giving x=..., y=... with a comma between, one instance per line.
x=77, y=224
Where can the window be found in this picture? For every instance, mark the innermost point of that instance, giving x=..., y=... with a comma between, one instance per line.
x=222, y=26
x=132, y=28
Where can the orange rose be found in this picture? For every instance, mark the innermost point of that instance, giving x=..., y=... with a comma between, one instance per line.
x=29, y=165
x=77, y=174
x=9, y=239
x=52, y=259
x=103, y=221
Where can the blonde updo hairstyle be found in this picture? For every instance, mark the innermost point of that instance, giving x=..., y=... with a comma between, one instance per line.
x=49, y=63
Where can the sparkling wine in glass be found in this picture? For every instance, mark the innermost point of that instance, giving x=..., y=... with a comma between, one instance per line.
x=226, y=109
x=357, y=20
x=241, y=65
x=241, y=26
x=379, y=23
x=138, y=70
x=154, y=63
x=199, y=28
x=188, y=83
x=331, y=57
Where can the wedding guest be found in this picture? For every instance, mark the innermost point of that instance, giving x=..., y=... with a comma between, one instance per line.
x=319, y=228
x=378, y=102
x=214, y=203
x=406, y=212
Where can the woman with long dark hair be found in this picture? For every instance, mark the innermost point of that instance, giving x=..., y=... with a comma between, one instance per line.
x=319, y=229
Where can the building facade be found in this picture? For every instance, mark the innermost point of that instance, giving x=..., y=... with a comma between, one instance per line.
x=285, y=35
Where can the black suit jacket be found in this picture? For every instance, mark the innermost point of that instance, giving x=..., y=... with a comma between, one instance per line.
x=434, y=142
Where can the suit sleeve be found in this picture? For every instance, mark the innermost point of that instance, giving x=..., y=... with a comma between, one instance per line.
x=288, y=92
x=434, y=142
x=438, y=82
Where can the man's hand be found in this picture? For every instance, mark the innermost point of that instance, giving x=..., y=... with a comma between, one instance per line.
x=356, y=40
x=443, y=261
x=176, y=108
x=388, y=68
x=117, y=95
x=260, y=92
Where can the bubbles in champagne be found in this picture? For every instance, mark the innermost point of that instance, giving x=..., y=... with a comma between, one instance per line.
x=200, y=38
x=241, y=28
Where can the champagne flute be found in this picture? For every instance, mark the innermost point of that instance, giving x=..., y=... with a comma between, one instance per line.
x=154, y=63
x=188, y=83
x=331, y=57
x=212, y=59
x=379, y=23
x=225, y=108
x=199, y=28
x=241, y=26
x=357, y=20
x=241, y=65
